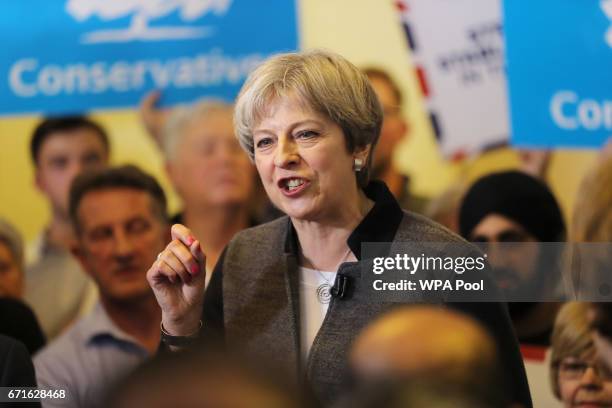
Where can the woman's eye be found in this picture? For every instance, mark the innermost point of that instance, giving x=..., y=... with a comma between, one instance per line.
x=264, y=142
x=575, y=366
x=306, y=134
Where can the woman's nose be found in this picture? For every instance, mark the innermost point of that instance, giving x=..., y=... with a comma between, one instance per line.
x=286, y=153
x=590, y=378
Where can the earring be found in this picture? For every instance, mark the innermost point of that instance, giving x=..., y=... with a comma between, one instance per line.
x=358, y=164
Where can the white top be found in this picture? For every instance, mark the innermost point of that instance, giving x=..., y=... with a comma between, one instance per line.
x=312, y=311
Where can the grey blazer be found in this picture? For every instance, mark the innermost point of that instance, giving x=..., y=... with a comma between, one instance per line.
x=252, y=301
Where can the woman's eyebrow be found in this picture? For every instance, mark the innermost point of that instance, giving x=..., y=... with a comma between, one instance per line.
x=293, y=126
x=308, y=121
x=263, y=130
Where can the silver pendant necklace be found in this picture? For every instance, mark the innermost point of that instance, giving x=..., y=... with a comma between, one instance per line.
x=324, y=290
x=324, y=294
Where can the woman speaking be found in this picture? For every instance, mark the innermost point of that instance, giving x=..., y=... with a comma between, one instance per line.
x=290, y=290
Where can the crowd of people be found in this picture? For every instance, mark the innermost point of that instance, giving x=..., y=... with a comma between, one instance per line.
x=253, y=295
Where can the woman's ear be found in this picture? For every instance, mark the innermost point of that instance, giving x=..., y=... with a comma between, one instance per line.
x=362, y=154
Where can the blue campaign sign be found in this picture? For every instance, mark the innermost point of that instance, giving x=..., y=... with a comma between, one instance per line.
x=559, y=59
x=66, y=56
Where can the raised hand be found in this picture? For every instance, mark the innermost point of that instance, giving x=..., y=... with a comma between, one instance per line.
x=177, y=278
x=153, y=118
x=535, y=162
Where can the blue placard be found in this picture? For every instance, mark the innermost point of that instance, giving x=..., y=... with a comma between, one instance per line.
x=73, y=55
x=559, y=58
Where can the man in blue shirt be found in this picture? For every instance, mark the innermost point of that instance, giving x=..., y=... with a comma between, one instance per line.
x=120, y=219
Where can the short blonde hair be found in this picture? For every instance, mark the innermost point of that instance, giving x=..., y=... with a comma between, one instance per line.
x=571, y=337
x=587, y=264
x=181, y=116
x=592, y=220
x=323, y=81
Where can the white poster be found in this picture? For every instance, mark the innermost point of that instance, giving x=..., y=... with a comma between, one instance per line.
x=457, y=47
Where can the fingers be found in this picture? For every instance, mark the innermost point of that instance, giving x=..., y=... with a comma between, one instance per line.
x=152, y=116
x=183, y=234
x=606, y=152
x=181, y=264
x=147, y=104
x=161, y=273
x=182, y=259
x=169, y=267
x=198, y=254
x=148, y=111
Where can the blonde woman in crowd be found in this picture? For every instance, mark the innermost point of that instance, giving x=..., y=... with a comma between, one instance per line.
x=589, y=257
x=579, y=377
x=592, y=221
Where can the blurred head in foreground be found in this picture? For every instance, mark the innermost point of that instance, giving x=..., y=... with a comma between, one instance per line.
x=428, y=393
x=579, y=376
x=425, y=342
x=197, y=379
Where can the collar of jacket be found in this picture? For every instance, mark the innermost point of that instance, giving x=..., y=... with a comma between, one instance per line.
x=379, y=225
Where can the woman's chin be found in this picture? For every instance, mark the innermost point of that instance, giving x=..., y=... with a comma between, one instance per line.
x=296, y=214
x=299, y=212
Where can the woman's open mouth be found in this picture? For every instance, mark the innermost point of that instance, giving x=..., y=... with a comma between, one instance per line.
x=293, y=186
